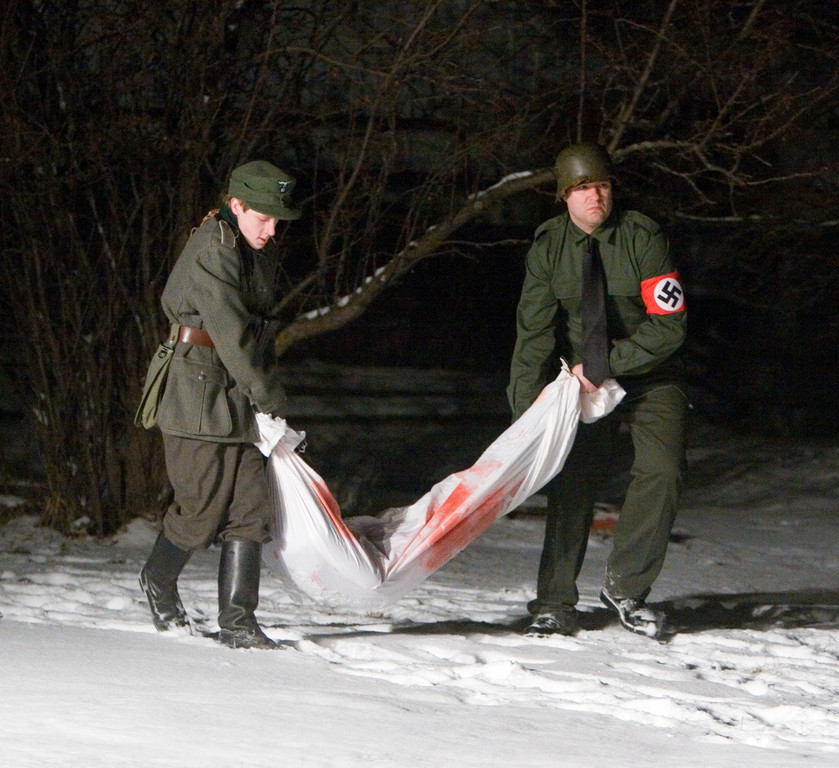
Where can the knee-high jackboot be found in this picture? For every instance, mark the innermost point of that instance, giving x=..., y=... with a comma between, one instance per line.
x=238, y=595
x=159, y=582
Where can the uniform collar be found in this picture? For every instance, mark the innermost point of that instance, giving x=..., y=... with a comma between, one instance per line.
x=227, y=215
x=605, y=233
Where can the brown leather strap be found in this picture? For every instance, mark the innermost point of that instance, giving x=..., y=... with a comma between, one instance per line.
x=195, y=336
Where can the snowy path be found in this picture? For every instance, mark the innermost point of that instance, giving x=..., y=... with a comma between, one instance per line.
x=752, y=674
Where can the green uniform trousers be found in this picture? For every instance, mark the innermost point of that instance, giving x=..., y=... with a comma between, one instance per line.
x=656, y=422
x=220, y=493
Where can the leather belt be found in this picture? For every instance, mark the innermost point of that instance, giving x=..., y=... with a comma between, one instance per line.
x=195, y=336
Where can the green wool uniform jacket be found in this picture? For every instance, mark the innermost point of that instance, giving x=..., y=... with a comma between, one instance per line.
x=221, y=285
x=646, y=314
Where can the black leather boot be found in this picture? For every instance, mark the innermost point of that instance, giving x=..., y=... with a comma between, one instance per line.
x=159, y=582
x=238, y=595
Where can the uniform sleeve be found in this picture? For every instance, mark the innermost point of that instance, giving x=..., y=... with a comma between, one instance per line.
x=535, y=338
x=220, y=303
x=663, y=329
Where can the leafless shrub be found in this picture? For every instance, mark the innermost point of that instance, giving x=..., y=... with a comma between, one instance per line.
x=404, y=121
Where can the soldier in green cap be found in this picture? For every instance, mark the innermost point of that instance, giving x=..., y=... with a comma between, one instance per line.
x=217, y=299
x=630, y=325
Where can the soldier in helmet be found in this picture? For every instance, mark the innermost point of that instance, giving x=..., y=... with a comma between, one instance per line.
x=217, y=298
x=644, y=323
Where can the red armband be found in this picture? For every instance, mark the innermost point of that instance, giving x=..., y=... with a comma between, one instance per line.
x=663, y=295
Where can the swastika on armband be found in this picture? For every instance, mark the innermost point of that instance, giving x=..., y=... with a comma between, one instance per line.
x=663, y=295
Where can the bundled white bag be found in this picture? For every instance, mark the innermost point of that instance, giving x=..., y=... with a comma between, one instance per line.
x=369, y=562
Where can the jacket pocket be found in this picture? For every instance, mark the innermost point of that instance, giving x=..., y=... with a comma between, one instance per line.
x=623, y=286
x=567, y=290
x=195, y=401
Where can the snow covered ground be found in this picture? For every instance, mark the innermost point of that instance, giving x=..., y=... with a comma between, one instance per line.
x=443, y=677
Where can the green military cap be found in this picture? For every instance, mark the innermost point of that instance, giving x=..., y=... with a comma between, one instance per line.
x=265, y=188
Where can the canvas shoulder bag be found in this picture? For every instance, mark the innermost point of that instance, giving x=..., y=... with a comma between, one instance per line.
x=155, y=383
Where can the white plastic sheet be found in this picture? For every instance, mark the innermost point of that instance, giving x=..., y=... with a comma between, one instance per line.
x=369, y=562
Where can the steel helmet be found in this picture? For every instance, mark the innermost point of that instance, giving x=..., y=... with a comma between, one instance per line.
x=581, y=164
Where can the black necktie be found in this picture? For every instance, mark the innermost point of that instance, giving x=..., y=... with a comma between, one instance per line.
x=595, y=342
